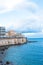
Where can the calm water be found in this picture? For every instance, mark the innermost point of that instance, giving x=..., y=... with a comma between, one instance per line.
x=27, y=54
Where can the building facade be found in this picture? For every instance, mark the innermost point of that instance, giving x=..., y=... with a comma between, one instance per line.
x=11, y=37
x=2, y=31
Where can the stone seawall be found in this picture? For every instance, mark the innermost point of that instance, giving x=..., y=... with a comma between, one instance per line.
x=12, y=41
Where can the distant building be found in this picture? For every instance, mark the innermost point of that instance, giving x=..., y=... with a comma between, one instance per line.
x=2, y=31
x=11, y=33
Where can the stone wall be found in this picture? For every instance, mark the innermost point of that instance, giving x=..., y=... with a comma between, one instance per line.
x=12, y=41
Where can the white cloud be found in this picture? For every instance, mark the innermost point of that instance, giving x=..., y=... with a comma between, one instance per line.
x=32, y=4
x=28, y=20
x=34, y=35
x=8, y=5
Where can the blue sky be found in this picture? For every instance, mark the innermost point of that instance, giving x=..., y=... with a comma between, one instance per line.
x=23, y=16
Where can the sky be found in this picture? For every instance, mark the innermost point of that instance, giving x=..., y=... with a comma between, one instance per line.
x=23, y=16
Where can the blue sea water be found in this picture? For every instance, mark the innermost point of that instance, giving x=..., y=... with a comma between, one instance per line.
x=27, y=54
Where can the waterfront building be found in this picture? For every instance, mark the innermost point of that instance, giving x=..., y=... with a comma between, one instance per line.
x=10, y=33
x=11, y=37
x=2, y=31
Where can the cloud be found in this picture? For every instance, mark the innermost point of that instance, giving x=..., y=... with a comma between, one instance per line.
x=28, y=3
x=8, y=5
x=33, y=35
x=29, y=16
x=31, y=4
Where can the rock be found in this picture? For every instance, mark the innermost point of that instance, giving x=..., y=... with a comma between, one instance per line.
x=1, y=63
x=8, y=63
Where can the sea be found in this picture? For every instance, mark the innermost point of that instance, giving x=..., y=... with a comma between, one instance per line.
x=26, y=54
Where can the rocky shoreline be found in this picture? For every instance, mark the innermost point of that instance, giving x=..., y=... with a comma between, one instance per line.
x=2, y=55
